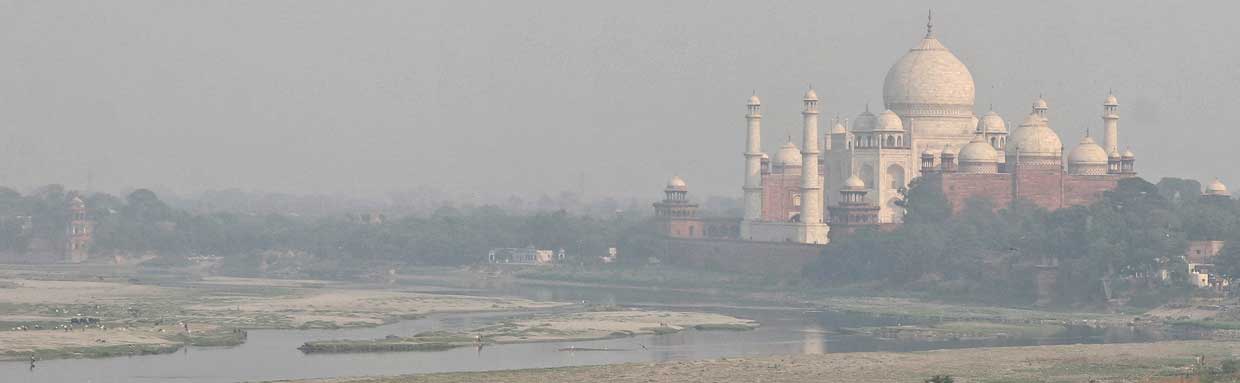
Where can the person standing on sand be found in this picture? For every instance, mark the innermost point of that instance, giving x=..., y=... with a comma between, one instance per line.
x=32, y=359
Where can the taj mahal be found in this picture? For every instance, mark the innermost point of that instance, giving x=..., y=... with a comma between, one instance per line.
x=854, y=174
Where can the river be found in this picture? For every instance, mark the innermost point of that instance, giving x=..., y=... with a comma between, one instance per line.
x=273, y=354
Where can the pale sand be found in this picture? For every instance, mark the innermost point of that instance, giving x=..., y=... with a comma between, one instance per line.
x=74, y=292
x=1074, y=363
x=17, y=343
x=354, y=306
x=226, y=302
x=601, y=324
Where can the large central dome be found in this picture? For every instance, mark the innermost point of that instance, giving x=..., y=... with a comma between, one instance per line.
x=929, y=80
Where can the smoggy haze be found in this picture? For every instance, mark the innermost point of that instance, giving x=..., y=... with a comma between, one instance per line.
x=493, y=98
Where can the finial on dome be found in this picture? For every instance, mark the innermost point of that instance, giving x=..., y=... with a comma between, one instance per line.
x=929, y=23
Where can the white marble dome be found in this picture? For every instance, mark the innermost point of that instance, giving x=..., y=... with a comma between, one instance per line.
x=991, y=122
x=929, y=78
x=854, y=183
x=1216, y=187
x=978, y=150
x=838, y=128
x=1040, y=103
x=1111, y=101
x=788, y=156
x=1034, y=139
x=676, y=183
x=865, y=122
x=889, y=121
x=949, y=150
x=754, y=101
x=1088, y=152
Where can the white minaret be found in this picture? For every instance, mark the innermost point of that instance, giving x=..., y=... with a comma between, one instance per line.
x=1110, y=124
x=753, y=162
x=811, y=187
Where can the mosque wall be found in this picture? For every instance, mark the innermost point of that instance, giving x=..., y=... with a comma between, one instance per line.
x=779, y=194
x=682, y=228
x=959, y=188
x=1041, y=187
x=1085, y=190
x=1049, y=189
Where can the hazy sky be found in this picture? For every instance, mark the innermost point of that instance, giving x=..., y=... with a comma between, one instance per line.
x=492, y=98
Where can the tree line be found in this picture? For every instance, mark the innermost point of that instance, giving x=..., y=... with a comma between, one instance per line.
x=1130, y=242
x=140, y=223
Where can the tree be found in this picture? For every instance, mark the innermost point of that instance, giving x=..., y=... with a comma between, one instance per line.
x=1179, y=190
x=924, y=201
x=1227, y=262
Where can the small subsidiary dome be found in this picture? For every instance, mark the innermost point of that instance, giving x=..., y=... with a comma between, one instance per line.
x=838, y=128
x=1111, y=101
x=978, y=150
x=991, y=122
x=854, y=182
x=1216, y=187
x=788, y=156
x=676, y=183
x=865, y=122
x=949, y=150
x=1034, y=139
x=810, y=95
x=1128, y=155
x=1040, y=103
x=1088, y=152
x=754, y=101
x=888, y=120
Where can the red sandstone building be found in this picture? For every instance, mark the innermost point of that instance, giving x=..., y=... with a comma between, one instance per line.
x=1038, y=179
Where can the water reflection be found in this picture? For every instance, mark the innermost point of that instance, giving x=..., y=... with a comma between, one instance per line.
x=814, y=342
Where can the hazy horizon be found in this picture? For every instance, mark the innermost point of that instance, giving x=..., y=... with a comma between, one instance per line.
x=483, y=100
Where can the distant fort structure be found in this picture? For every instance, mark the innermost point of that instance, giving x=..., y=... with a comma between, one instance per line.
x=796, y=198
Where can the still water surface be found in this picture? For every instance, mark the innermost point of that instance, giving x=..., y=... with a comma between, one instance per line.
x=273, y=354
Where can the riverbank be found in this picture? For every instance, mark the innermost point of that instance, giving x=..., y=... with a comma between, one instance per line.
x=597, y=323
x=60, y=312
x=1073, y=363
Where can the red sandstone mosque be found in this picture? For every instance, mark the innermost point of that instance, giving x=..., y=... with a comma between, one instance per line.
x=928, y=129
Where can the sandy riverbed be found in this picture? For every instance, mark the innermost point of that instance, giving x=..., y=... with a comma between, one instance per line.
x=557, y=327
x=1071, y=363
x=601, y=324
x=132, y=313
